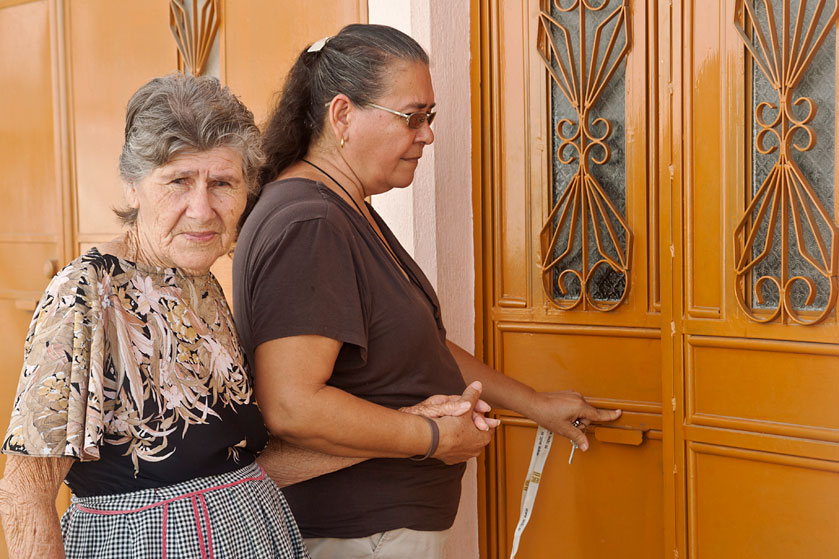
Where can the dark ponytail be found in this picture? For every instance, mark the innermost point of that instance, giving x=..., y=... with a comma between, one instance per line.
x=353, y=62
x=290, y=127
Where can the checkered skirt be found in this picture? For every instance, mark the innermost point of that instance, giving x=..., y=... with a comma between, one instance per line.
x=237, y=515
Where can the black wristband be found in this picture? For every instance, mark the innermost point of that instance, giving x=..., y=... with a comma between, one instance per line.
x=435, y=440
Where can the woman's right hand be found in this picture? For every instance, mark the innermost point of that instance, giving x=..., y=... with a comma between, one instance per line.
x=460, y=436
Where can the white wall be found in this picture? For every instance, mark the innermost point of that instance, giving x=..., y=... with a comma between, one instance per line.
x=433, y=218
x=397, y=206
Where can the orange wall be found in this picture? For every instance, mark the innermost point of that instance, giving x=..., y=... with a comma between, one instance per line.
x=68, y=68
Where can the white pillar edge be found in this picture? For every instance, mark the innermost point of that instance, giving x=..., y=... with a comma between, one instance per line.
x=433, y=218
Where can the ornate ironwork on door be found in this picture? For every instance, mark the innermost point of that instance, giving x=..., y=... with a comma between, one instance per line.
x=194, y=30
x=787, y=241
x=585, y=236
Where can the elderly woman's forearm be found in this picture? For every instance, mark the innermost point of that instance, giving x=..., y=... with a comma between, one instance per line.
x=32, y=529
x=288, y=464
x=27, y=506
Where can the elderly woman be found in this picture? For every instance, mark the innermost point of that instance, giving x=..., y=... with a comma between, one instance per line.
x=339, y=321
x=134, y=388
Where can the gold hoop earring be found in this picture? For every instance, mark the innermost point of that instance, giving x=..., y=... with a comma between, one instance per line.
x=342, y=142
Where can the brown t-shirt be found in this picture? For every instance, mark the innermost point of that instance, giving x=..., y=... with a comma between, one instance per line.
x=307, y=263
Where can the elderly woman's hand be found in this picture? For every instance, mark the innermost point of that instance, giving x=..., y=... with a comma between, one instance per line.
x=460, y=437
x=441, y=405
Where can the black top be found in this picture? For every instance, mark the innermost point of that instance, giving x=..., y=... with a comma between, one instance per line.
x=307, y=263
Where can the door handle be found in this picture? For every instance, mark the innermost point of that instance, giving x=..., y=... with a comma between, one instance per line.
x=614, y=435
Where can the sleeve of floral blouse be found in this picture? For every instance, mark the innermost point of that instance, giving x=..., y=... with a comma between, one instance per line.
x=58, y=408
x=27, y=506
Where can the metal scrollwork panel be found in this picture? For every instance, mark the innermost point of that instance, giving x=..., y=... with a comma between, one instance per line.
x=786, y=242
x=585, y=241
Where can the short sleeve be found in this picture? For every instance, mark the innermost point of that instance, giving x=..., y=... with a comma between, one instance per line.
x=308, y=281
x=58, y=405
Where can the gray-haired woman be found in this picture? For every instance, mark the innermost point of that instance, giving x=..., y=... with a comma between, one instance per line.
x=341, y=324
x=134, y=389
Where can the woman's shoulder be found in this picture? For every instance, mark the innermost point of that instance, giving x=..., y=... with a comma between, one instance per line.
x=296, y=200
x=74, y=291
x=95, y=263
x=81, y=275
x=78, y=270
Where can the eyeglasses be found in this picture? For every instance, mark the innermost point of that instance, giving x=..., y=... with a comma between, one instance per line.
x=414, y=120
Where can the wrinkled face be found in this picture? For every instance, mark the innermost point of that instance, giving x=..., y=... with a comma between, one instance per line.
x=383, y=149
x=188, y=209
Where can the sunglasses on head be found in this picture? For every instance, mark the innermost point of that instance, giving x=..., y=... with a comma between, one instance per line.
x=414, y=120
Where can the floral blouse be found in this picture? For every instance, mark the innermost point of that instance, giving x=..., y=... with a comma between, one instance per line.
x=138, y=374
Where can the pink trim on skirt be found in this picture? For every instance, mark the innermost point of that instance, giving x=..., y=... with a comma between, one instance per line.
x=196, y=497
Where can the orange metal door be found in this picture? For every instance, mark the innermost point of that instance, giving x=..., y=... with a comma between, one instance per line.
x=754, y=217
x=552, y=66
x=623, y=258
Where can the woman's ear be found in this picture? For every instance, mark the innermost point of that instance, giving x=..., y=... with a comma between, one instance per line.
x=340, y=114
x=130, y=192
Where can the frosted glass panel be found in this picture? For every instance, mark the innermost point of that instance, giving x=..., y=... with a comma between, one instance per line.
x=816, y=164
x=602, y=143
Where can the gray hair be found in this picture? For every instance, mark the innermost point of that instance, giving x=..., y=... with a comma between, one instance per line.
x=178, y=113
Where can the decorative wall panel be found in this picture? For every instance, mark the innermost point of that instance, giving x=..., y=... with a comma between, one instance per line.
x=787, y=240
x=586, y=242
x=113, y=48
x=195, y=31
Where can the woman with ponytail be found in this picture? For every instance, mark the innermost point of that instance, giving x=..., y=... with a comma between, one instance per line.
x=342, y=327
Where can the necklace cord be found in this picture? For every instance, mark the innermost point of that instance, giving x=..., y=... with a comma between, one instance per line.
x=358, y=207
x=337, y=183
x=405, y=270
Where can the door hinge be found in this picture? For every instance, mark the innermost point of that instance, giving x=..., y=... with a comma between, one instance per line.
x=673, y=402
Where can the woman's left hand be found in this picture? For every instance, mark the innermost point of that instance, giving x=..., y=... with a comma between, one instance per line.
x=558, y=412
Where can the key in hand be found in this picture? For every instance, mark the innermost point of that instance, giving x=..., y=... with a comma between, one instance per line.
x=578, y=424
